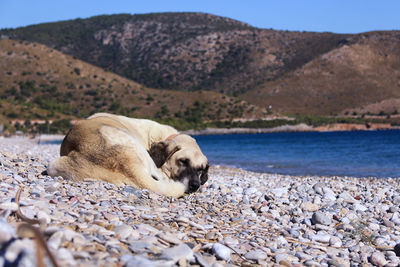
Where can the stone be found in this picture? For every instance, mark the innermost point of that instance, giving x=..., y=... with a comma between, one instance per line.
x=322, y=238
x=311, y=263
x=378, y=258
x=17, y=247
x=43, y=217
x=318, y=188
x=132, y=190
x=65, y=256
x=359, y=207
x=396, y=249
x=321, y=218
x=256, y=255
x=280, y=257
x=182, y=219
x=330, y=197
x=221, y=251
x=178, y=252
x=294, y=232
x=139, y=246
x=335, y=241
x=279, y=191
x=347, y=197
x=231, y=241
x=201, y=261
x=123, y=230
x=55, y=240
x=12, y=206
x=141, y=261
x=303, y=256
x=332, y=262
x=250, y=191
x=6, y=232
x=308, y=206
x=171, y=238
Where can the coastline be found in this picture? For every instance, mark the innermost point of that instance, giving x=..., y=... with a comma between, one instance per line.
x=295, y=128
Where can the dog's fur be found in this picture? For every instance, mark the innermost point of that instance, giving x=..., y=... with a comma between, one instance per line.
x=127, y=151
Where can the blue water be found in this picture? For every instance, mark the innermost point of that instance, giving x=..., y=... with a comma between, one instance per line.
x=358, y=154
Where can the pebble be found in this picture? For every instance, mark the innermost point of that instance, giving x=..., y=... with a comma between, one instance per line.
x=123, y=230
x=280, y=191
x=250, y=191
x=335, y=241
x=280, y=257
x=221, y=252
x=309, y=206
x=142, y=261
x=139, y=246
x=360, y=207
x=6, y=232
x=201, y=260
x=321, y=218
x=396, y=249
x=178, y=252
x=378, y=258
x=323, y=238
x=173, y=239
x=265, y=218
x=256, y=255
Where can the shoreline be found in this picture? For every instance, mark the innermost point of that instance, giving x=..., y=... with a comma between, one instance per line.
x=294, y=128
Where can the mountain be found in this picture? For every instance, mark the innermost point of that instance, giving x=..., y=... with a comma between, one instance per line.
x=184, y=51
x=38, y=82
x=286, y=72
x=359, y=77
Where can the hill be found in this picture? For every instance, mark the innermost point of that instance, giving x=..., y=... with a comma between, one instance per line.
x=362, y=76
x=38, y=82
x=184, y=51
x=289, y=73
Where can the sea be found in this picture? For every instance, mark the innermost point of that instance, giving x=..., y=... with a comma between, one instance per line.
x=354, y=153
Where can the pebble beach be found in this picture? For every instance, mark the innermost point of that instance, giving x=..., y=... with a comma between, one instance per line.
x=238, y=218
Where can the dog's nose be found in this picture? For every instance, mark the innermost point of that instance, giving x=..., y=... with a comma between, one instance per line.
x=193, y=186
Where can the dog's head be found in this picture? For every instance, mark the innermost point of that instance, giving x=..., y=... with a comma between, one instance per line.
x=181, y=159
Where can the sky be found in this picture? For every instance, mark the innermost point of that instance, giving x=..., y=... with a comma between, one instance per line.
x=339, y=16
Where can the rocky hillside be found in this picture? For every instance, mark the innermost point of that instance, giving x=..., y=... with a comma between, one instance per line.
x=285, y=72
x=185, y=51
x=360, y=77
x=38, y=82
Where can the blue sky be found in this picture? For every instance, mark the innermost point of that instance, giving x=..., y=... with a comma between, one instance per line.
x=340, y=16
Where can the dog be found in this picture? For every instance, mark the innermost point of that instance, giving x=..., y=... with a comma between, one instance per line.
x=128, y=151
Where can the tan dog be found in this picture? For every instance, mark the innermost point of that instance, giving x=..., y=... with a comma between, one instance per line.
x=137, y=152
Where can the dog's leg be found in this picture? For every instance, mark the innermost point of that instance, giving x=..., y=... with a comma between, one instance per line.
x=142, y=172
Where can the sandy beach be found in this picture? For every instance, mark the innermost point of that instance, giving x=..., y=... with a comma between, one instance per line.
x=238, y=218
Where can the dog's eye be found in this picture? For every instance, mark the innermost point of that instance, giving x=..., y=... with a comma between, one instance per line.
x=183, y=162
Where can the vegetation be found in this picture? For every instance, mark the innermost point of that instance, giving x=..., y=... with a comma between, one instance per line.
x=54, y=91
x=184, y=51
x=216, y=70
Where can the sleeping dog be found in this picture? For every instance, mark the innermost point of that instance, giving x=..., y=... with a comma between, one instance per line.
x=128, y=151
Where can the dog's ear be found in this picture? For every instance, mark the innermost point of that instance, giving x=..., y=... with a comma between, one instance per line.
x=161, y=151
x=204, y=175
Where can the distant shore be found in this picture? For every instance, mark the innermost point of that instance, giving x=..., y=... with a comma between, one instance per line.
x=295, y=128
x=302, y=127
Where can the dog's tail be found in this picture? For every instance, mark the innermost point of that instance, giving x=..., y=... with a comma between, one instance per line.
x=70, y=167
